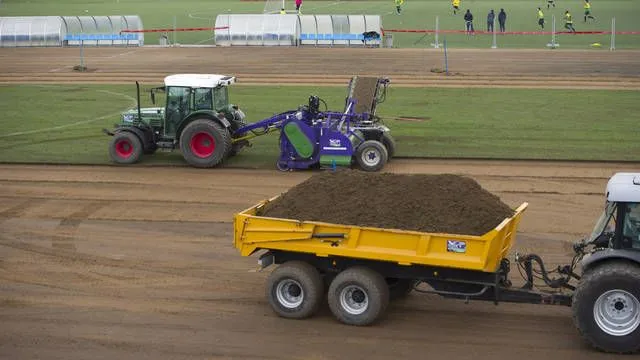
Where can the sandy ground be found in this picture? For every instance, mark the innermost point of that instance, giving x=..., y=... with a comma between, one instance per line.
x=138, y=263
x=104, y=263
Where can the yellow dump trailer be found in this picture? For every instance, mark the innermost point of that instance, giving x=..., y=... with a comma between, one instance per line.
x=481, y=253
x=359, y=270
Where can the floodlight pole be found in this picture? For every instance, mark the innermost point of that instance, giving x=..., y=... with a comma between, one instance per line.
x=613, y=34
x=494, y=45
x=436, y=44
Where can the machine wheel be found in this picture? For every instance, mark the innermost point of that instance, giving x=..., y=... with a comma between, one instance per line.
x=295, y=290
x=606, y=307
x=282, y=167
x=204, y=143
x=399, y=288
x=125, y=148
x=390, y=144
x=358, y=296
x=371, y=155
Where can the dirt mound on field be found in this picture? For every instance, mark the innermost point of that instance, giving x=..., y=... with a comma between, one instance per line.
x=432, y=203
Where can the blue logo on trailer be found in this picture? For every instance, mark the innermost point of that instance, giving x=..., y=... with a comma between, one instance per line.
x=456, y=246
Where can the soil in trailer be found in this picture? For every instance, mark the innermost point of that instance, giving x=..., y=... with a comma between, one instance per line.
x=430, y=203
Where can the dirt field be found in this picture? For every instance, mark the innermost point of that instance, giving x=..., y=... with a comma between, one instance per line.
x=406, y=67
x=137, y=263
x=103, y=262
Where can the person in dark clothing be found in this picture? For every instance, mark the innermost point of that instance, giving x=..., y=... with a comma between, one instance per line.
x=491, y=17
x=468, y=20
x=502, y=19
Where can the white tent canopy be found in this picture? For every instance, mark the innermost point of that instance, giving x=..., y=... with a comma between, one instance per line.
x=293, y=29
x=21, y=31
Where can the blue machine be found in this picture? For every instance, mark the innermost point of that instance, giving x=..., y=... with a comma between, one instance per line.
x=310, y=138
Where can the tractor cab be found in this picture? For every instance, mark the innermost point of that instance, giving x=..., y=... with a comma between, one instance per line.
x=619, y=224
x=189, y=94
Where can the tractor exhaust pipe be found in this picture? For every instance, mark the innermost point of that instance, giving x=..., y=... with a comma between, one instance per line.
x=138, y=98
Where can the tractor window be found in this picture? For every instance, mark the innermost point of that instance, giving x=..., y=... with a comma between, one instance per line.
x=220, y=97
x=606, y=222
x=631, y=228
x=202, y=99
x=177, y=107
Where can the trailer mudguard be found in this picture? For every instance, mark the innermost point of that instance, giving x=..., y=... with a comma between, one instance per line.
x=599, y=256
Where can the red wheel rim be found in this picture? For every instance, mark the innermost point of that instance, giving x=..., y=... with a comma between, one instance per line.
x=124, y=148
x=202, y=145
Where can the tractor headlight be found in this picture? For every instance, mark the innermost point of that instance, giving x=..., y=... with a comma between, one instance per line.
x=239, y=115
x=127, y=118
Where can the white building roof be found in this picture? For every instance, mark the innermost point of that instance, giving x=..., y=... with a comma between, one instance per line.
x=624, y=187
x=199, y=80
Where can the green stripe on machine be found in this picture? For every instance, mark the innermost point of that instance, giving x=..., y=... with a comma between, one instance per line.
x=341, y=160
x=298, y=139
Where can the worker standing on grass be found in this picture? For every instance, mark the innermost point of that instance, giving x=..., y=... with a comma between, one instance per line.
x=568, y=21
x=298, y=4
x=541, y=19
x=456, y=6
x=491, y=19
x=502, y=19
x=587, y=11
x=468, y=21
x=399, y=6
x=282, y=12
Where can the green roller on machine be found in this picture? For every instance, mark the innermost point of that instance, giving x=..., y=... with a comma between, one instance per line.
x=299, y=140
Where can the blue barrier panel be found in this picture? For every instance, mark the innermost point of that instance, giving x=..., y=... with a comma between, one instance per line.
x=94, y=37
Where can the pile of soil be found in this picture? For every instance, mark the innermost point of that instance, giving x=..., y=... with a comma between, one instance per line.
x=431, y=203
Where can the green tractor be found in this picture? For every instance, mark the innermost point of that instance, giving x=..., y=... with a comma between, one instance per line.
x=197, y=118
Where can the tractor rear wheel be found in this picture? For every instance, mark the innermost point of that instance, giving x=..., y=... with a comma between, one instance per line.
x=606, y=307
x=204, y=143
x=371, y=155
x=125, y=148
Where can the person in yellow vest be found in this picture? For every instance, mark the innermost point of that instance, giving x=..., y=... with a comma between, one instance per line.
x=587, y=11
x=399, y=5
x=568, y=21
x=541, y=19
x=282, y=12
x=456, y=6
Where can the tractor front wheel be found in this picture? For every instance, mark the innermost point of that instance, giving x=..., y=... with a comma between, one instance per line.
x=204, y=143
x=606, y=307
x=371, y=155
x=125, y=148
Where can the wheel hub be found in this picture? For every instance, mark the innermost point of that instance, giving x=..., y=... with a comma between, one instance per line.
x=202, y=144
x=617, y=312
x=124, y=148
x=289, y=293
x=354, y=300
x=371, y=157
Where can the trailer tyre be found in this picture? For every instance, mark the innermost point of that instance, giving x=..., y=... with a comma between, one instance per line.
x=606, y=307
x=358, y=296
x=204, y=143
x=125, y=148
x=371, y=155
x=295, y=290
